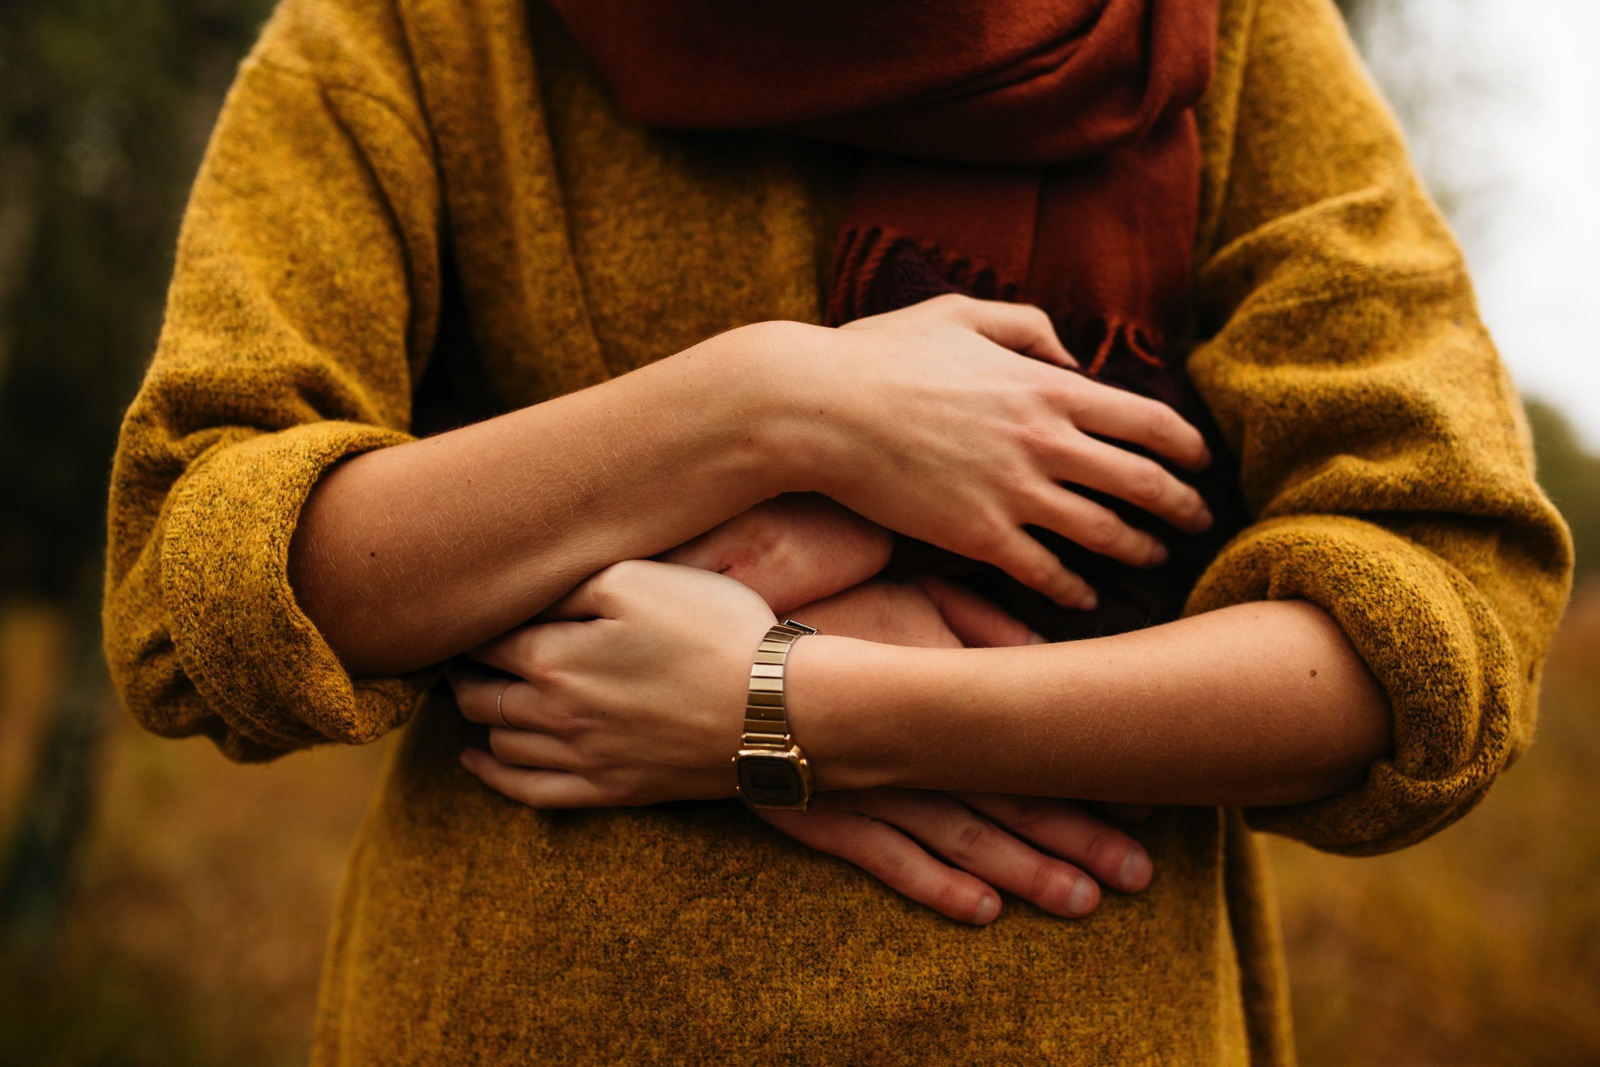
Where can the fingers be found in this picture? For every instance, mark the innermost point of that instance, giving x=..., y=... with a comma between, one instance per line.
x=533, y=750
x=1097, y=528
x=1140, y=481
x=1117, y=472
x=498, y=700
x=975, y=621
x=525, y=730
x=792, y=550
x=1116, y=413
x=978, y=846
x=1020, y=327
x=1065, y=829
x=483, y=697
x=1038, y=568
x=891, y=857
x=537, y=788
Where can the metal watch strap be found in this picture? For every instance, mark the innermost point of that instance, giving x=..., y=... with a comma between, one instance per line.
x=766, y=722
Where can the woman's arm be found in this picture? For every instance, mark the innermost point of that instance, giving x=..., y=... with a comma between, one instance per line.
x=409, y=555
x=1253, y=705
x=1382, y=452
x=1261, y=704
x=952, y=853
x=266, y=488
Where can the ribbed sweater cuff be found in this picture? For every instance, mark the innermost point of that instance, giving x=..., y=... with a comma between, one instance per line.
x=1452, y=679
x=251, y=653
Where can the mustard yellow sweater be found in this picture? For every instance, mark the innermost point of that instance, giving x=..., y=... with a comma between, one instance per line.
x=442, y=187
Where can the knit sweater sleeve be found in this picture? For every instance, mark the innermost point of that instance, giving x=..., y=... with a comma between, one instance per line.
x=303, y=303
x=1381, y=447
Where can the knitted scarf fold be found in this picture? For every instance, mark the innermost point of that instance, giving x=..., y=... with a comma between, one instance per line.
x=1036, y=150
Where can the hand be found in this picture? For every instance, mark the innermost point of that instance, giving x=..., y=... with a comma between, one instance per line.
x=899, y=835
x=557, y=750
x=989, y=841
x=642, y=701
x=807, y=555
x=792, y=549
x=923, y=613
x=932, y=426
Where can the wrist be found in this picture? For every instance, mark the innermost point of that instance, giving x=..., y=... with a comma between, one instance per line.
x=846, y=700
x=731, y=404
x=779, y=393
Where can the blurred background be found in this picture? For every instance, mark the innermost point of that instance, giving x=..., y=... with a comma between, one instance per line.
x=160, y=906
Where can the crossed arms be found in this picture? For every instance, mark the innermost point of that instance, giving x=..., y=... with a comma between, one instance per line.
x=930, y=421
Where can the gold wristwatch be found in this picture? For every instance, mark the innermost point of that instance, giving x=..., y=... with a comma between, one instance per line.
x=773, y=772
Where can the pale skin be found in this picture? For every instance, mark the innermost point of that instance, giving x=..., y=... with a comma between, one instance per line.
x=413, y=554
x=615, y=703
x=407, y=556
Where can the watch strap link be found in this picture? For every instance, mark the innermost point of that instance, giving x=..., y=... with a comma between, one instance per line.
x=766, y=721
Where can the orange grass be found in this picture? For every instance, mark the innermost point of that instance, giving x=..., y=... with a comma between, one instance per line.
x=204, y=894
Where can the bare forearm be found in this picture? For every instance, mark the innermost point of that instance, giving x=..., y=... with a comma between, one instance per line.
x=1254, y=705
x=409, y=555
x=406, y=556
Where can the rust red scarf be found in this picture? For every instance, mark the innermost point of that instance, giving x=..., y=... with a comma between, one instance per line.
x=1038, y=150
x=1077, y=113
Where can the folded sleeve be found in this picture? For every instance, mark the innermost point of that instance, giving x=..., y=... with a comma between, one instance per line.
x=303, y=304
x=1381, y=446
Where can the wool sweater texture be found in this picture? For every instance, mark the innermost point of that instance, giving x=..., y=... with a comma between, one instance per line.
x=409, y=197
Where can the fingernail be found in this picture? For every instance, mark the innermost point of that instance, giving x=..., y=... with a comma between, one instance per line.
x=988, y=908
x=1135, y=872
x=1081, y=901
x=1205, y=520
x=1037, y=639
x=1158, y=555
x=1088, y=602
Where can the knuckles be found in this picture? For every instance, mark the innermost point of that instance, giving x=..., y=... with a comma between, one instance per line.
x=1039, y=440
x=1100, y=531
x=957, y=305
x=535, y=665
x=620, y=579
x=953, y=899
x=1027, y=814
x=889, y=865
x=975, y=837
x=1047, y=885
x=1036, y=317
x=989, y=539
x=1049, y=578
x=1147, y=483
x=1105, y=849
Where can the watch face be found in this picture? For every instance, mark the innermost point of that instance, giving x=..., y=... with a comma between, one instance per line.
x=771, y=782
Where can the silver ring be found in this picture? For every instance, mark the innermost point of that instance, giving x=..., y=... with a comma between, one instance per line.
x=500, y=704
